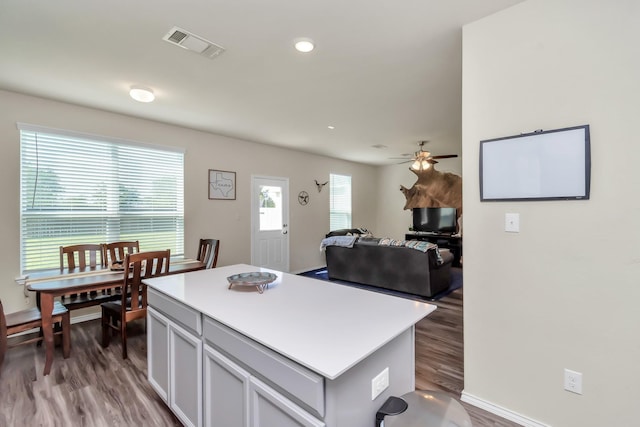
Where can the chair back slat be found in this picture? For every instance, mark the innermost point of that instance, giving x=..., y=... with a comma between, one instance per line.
x=208, y=252
x=82, y=256
x=117, y=251
x=141, y=265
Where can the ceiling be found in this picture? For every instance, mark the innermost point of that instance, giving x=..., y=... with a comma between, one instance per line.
x=382, y=73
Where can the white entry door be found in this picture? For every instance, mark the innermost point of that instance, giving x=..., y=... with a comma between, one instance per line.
x=270, y=222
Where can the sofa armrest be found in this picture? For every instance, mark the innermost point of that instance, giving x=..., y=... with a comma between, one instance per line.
x=445, y=254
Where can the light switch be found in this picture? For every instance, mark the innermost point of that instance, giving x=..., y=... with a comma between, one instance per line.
x=512, y=222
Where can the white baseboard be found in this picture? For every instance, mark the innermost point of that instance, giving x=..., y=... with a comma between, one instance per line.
x=86, y=317
x=500, y=411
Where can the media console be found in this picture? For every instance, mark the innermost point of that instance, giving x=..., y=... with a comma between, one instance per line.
x=444, y=241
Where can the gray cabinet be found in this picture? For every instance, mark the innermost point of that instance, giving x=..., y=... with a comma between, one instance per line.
x=185, y=375
x=234, y=397
x=158, y=353
x=270, y=408
x=226, y=391
x=213, y=375
x=174, y=356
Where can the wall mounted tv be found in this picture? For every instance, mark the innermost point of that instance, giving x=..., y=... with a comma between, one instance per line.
x=434, y=220
x=542, y=165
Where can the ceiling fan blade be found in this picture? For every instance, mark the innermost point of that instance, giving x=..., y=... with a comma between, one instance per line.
x=401, y=158
x=445, y=156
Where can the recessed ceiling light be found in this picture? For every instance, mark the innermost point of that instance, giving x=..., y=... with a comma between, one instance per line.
x=141, y=94
x=304, y=45
x=331, y=127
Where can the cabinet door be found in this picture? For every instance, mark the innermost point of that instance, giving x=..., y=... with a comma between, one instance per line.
x=226, y=391
x=269, y=408
x=158, y=352
x=185, y=375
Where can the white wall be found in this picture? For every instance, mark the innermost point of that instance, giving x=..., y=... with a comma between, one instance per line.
x=564, y=292
x=226, y=220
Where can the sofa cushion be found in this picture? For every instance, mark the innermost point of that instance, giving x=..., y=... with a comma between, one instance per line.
x=372, y=241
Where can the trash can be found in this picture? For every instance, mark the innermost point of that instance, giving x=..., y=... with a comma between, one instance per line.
x=422, y=409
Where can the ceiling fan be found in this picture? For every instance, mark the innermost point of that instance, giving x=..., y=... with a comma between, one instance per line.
x=422, y=159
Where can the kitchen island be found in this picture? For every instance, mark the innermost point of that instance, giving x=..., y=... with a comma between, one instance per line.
x=304, y=352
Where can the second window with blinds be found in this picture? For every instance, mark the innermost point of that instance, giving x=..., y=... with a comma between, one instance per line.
x=340, y=202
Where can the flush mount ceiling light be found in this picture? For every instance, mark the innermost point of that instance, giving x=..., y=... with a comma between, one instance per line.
x=141, y=94
x=304, y=45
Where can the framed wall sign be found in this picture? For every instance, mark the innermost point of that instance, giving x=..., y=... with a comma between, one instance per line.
x=222, y=185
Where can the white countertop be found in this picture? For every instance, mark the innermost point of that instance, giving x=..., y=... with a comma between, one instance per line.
x=323, y=326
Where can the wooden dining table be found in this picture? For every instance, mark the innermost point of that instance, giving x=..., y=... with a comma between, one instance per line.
x=54, y=283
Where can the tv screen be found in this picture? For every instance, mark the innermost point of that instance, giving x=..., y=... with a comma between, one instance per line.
x=542, y=165
x=434, y=220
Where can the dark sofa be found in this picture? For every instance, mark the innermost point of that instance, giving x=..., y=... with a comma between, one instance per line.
x=397, y=268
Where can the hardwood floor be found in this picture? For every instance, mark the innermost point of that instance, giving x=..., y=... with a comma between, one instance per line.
x=95, y=387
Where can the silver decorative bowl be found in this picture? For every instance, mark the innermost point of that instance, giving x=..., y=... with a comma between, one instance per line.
x=259, y=279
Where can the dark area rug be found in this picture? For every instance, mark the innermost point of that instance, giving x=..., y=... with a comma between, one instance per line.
x=456, y=283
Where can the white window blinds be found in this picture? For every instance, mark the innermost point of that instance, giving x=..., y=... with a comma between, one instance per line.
x=77, y=189
x=340, y=202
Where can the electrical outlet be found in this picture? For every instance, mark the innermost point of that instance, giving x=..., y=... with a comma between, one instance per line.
x=379, y=383
x=573, y=381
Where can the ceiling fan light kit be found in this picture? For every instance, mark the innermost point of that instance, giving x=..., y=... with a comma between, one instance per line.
x=422, y=159
x=421, y=164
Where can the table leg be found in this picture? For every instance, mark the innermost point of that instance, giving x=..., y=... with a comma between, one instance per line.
x=66, y=335
x=46, y=309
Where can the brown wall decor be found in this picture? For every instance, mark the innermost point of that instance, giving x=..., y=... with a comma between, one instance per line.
x=434, y=189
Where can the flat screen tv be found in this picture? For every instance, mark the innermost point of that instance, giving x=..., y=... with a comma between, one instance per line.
x=542, y=165
x=434, y=220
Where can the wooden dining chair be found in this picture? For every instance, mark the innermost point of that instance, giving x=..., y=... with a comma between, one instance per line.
x=116, y=251
x=82, y=257
x=133, y=302
x=25, y=320
x=208, y=252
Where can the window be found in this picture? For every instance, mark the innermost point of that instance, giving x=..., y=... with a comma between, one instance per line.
x=340, y=202
x=85, y=189
x=270, y=208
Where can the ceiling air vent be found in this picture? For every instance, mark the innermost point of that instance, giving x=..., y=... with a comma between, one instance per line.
x=189, y=41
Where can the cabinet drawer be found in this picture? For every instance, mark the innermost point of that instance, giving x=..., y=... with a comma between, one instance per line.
x=186, y=316
x=298, y=382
